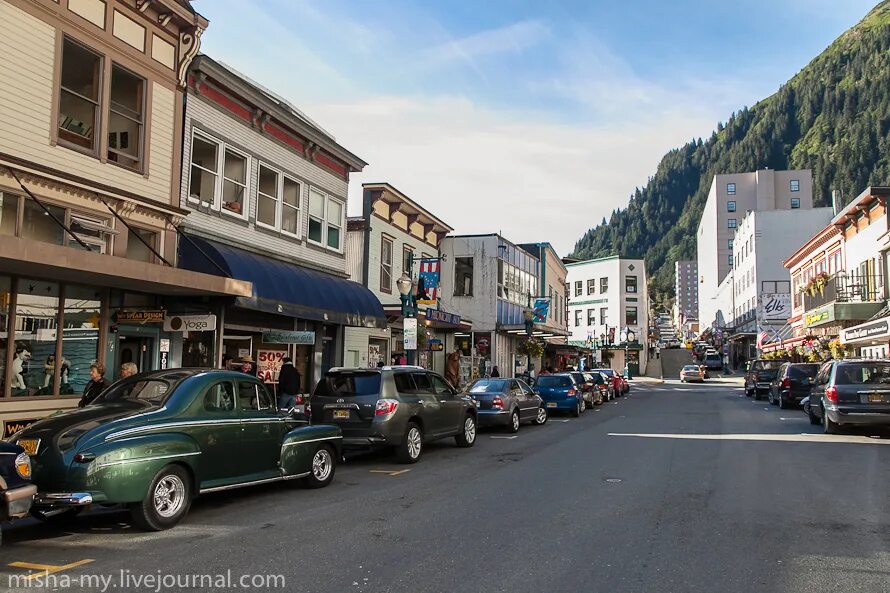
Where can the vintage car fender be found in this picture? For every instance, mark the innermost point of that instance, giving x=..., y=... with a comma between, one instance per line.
x=300, y=444
x=123, y=469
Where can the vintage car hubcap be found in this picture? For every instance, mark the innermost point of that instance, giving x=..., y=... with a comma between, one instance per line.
x=414, y=443
x=321, y=465
x=169, y=496
x=542, y=415
x=470, y=430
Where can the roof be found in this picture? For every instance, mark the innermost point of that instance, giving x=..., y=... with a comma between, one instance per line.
x=595, y=260
x=391, y=195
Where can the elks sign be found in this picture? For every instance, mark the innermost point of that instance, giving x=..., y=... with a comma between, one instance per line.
x=775, y=306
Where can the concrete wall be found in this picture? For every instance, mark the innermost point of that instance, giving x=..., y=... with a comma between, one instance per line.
x=481, y=308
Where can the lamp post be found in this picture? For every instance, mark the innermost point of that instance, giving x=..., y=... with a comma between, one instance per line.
x=409, y=307
x=629, y=336
x=529, y=317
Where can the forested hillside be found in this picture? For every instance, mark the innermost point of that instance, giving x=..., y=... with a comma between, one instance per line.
x=833, y=117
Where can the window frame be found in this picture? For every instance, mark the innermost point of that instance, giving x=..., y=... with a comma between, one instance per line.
x=579, y=288
x=604, y=285
x=278, y=188
x=578, y=317
x=636, y=312
x=794, y=185
x=95, y=151
x=157, y=246
x=220, y=177
x=591, y=286
x=458, y=280
x=384, y=240
x=325, y=222
x=591, y=317
x=730, y=192
x=795, y=203
x=732, y=223
x=731, y=206
x=627, y=284
x=299, y=208
x=142, y=124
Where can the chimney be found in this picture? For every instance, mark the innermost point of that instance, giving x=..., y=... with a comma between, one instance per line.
x=836, y=201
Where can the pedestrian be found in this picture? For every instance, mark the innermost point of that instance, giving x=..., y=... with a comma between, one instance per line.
x=247, y=365
x=128, y=369
x=97, y=385
x=288, y=384
x=495, y=372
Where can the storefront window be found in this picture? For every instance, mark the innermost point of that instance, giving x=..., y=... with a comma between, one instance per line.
x=36, y=323
x=80, y=338
x=197, y=350
x=40, y=226
x=5, y=292
x=9, y=208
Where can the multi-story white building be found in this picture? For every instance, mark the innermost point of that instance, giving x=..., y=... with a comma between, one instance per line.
x=730, y=198
x=607, y=296
x=686, y=291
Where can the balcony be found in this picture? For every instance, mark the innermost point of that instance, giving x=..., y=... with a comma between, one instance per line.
x=845, y=297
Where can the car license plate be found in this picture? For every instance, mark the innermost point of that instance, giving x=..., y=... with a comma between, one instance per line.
x=29, y=445
x=873, y=398
x=341, y=414
x=551, y=404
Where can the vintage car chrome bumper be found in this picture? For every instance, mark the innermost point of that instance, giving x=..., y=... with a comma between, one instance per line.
x=17, y=502
x=63, y=499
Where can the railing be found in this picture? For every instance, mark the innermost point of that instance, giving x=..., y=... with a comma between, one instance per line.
x=844, y=287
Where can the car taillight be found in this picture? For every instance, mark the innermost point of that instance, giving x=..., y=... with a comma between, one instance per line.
x=298, y=400
x=831, y=394
x=385, y=407
x=572, y=392
x=498, y=403
x=786, y=383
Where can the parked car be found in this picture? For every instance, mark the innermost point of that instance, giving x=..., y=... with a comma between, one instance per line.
x=561, y=393
x=602, y=387
x=691, y=373
x=713, y=361
x=792, y=383
x=507, y=403
x=403, y=407
x=618, y=382
x=155, y=440
x=759, y=375
x=851, y=392
x=588, y=387
x=16, y=490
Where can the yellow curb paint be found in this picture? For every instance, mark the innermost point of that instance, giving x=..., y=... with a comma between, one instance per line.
x=47, y=569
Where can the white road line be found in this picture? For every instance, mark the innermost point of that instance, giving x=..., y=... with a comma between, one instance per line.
x=563, y=420
x=502, y=437
x=807, y=419
x=803, y=437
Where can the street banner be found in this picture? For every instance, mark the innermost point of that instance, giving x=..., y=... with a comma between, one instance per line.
x=410, y=333
x=428, y=282
x=542, y=308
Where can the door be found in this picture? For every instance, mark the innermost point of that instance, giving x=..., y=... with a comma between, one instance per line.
x=818, y=391
x=219, y=440
x=138, y=350
x=261, y=430
x=529, y=402
x=453, y=405
x=435, y=418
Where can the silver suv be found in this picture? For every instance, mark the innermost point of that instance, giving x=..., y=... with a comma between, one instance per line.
x=401, y=406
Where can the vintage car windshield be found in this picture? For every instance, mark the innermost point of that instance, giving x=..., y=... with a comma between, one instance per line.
x=153, y=391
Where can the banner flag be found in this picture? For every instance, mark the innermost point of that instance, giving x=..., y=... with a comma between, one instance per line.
x=428, y=282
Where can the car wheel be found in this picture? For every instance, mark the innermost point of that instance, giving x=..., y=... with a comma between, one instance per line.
x=757, y=395
x=513, y=427
x=747, y=393
x=814, y=420
x=584, y=406
x=781, y=403
x=412, y=444
x=577, y=411
x=324, y=463
x=467, y=436
x=828, y=426
x=541, y=418
x=167, y=501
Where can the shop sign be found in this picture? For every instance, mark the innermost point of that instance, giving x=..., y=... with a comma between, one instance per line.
x=190, y=323
x=269, y=364
x=775, y=306
x=145, y=316
x=409, y=336
x=442, y=316
x=436, y=345
x=10, y=427
x=819, y=316
x=877, y=329
x=302, y=338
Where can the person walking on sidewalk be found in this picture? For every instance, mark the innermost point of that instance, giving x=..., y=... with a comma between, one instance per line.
x=288, y=384
x=97, y=385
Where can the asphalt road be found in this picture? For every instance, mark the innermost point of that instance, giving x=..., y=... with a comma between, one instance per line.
x=721, y=494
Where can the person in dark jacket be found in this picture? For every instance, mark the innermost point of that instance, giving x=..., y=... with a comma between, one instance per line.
x=495, y=372
x=288, y=384
x=98, y=383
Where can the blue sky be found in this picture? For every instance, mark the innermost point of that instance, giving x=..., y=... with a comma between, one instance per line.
x=531, y=118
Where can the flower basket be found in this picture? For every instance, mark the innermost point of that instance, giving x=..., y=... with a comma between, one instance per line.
x=530, y=347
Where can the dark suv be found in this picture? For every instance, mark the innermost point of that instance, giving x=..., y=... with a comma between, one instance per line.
x=759, y=376
x=851, y=392
x=401, y=406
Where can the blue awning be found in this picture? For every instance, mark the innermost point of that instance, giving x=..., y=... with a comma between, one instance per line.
x=283, y=288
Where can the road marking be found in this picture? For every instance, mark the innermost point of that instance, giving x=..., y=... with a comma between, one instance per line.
x=794, y=419
x=389, y=472
x=503, y=437
x=47, y=569
x=563, y=420
x=792, y=438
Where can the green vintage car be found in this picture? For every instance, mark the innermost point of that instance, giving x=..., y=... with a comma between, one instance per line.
x=156, y=440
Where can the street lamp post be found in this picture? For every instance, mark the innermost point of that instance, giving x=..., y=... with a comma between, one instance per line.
x=529, y=316
x=629, y=336
x=409, y=305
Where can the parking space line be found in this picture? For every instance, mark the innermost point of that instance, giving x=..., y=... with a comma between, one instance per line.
x=503, y=437
x=47, y=569
x=389, y=472
x=562, y=420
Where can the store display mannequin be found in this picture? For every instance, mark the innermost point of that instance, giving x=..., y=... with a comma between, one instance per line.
x=18, y=367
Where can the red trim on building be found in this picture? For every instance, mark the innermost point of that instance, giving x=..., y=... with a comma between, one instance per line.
x=282, y=135
x=224, y=101
x=334, y=165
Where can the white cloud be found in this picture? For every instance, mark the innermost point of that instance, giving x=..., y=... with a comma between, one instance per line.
x=513, y=39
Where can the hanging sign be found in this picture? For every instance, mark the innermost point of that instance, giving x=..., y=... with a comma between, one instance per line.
x=190, y=323
x=435, y=345
x=775, y=306
x=541, y=310
x=442, y=317
x=269, y=364
x=302, y=338
x=410, y=333
x=428, y=282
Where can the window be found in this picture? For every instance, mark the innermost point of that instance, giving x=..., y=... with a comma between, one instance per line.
x=407, y=255
x=81, y=79
x=219, y=178
x=137, y=250
x=325, y=219
x=730, y=189
x=219, y=398
x=630, y=316
x=126, y=113
x=795, y=185
x=36, y=225
x=795, y=203
x=290, y=206
x=234, y=181
x=604, y=285
x=730, y=243
x=730, y=206
x=604, y=316
x=202, y=185
x=578, y=318
x=579, y=288
x=267, y=197
x=386, y=264
x=90, y=231
x=463, y=276
x=730, y=259
x=630, y=284
x=732, y=223
x=591, y=317
x=591, y=286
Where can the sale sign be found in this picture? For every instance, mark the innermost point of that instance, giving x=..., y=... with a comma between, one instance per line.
x=269, y=364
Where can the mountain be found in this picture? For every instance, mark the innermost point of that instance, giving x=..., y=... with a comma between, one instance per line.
x=833, y=117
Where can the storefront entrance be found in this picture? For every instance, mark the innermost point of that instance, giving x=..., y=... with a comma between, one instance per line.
x=139, y=350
